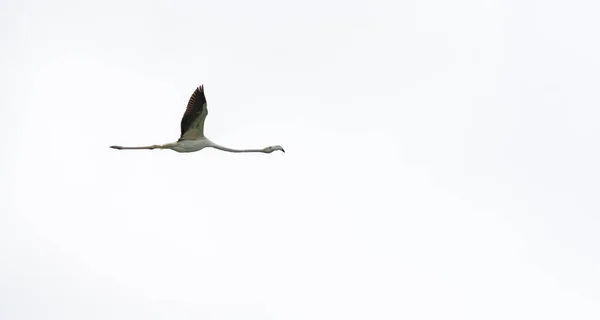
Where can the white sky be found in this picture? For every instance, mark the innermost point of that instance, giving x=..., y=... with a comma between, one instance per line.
x=442, y=160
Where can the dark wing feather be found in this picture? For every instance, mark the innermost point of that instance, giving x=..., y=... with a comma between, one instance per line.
x=192, y=123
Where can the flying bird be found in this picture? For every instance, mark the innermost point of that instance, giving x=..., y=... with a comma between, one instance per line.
x=192, y=131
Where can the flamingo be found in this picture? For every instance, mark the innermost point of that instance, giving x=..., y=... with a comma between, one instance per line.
x=192, y=131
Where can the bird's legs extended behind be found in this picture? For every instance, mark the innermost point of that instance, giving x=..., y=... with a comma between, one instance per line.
x=152, y=147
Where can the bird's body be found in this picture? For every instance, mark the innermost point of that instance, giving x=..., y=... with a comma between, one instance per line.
x=192, y=137
x=192, y=145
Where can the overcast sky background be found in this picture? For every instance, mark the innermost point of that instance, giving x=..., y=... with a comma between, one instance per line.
x=442, y=160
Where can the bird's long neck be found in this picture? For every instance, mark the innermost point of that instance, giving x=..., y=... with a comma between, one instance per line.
x=220, y=147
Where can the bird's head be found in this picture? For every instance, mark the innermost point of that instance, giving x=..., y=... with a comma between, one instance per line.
x=273, y=148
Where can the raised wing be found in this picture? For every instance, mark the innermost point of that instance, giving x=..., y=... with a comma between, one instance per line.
x=192, y=123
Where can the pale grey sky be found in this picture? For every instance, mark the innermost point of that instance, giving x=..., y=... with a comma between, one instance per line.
x=442, y=160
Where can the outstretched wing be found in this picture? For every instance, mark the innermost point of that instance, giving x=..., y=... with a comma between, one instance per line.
x=192, y=123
